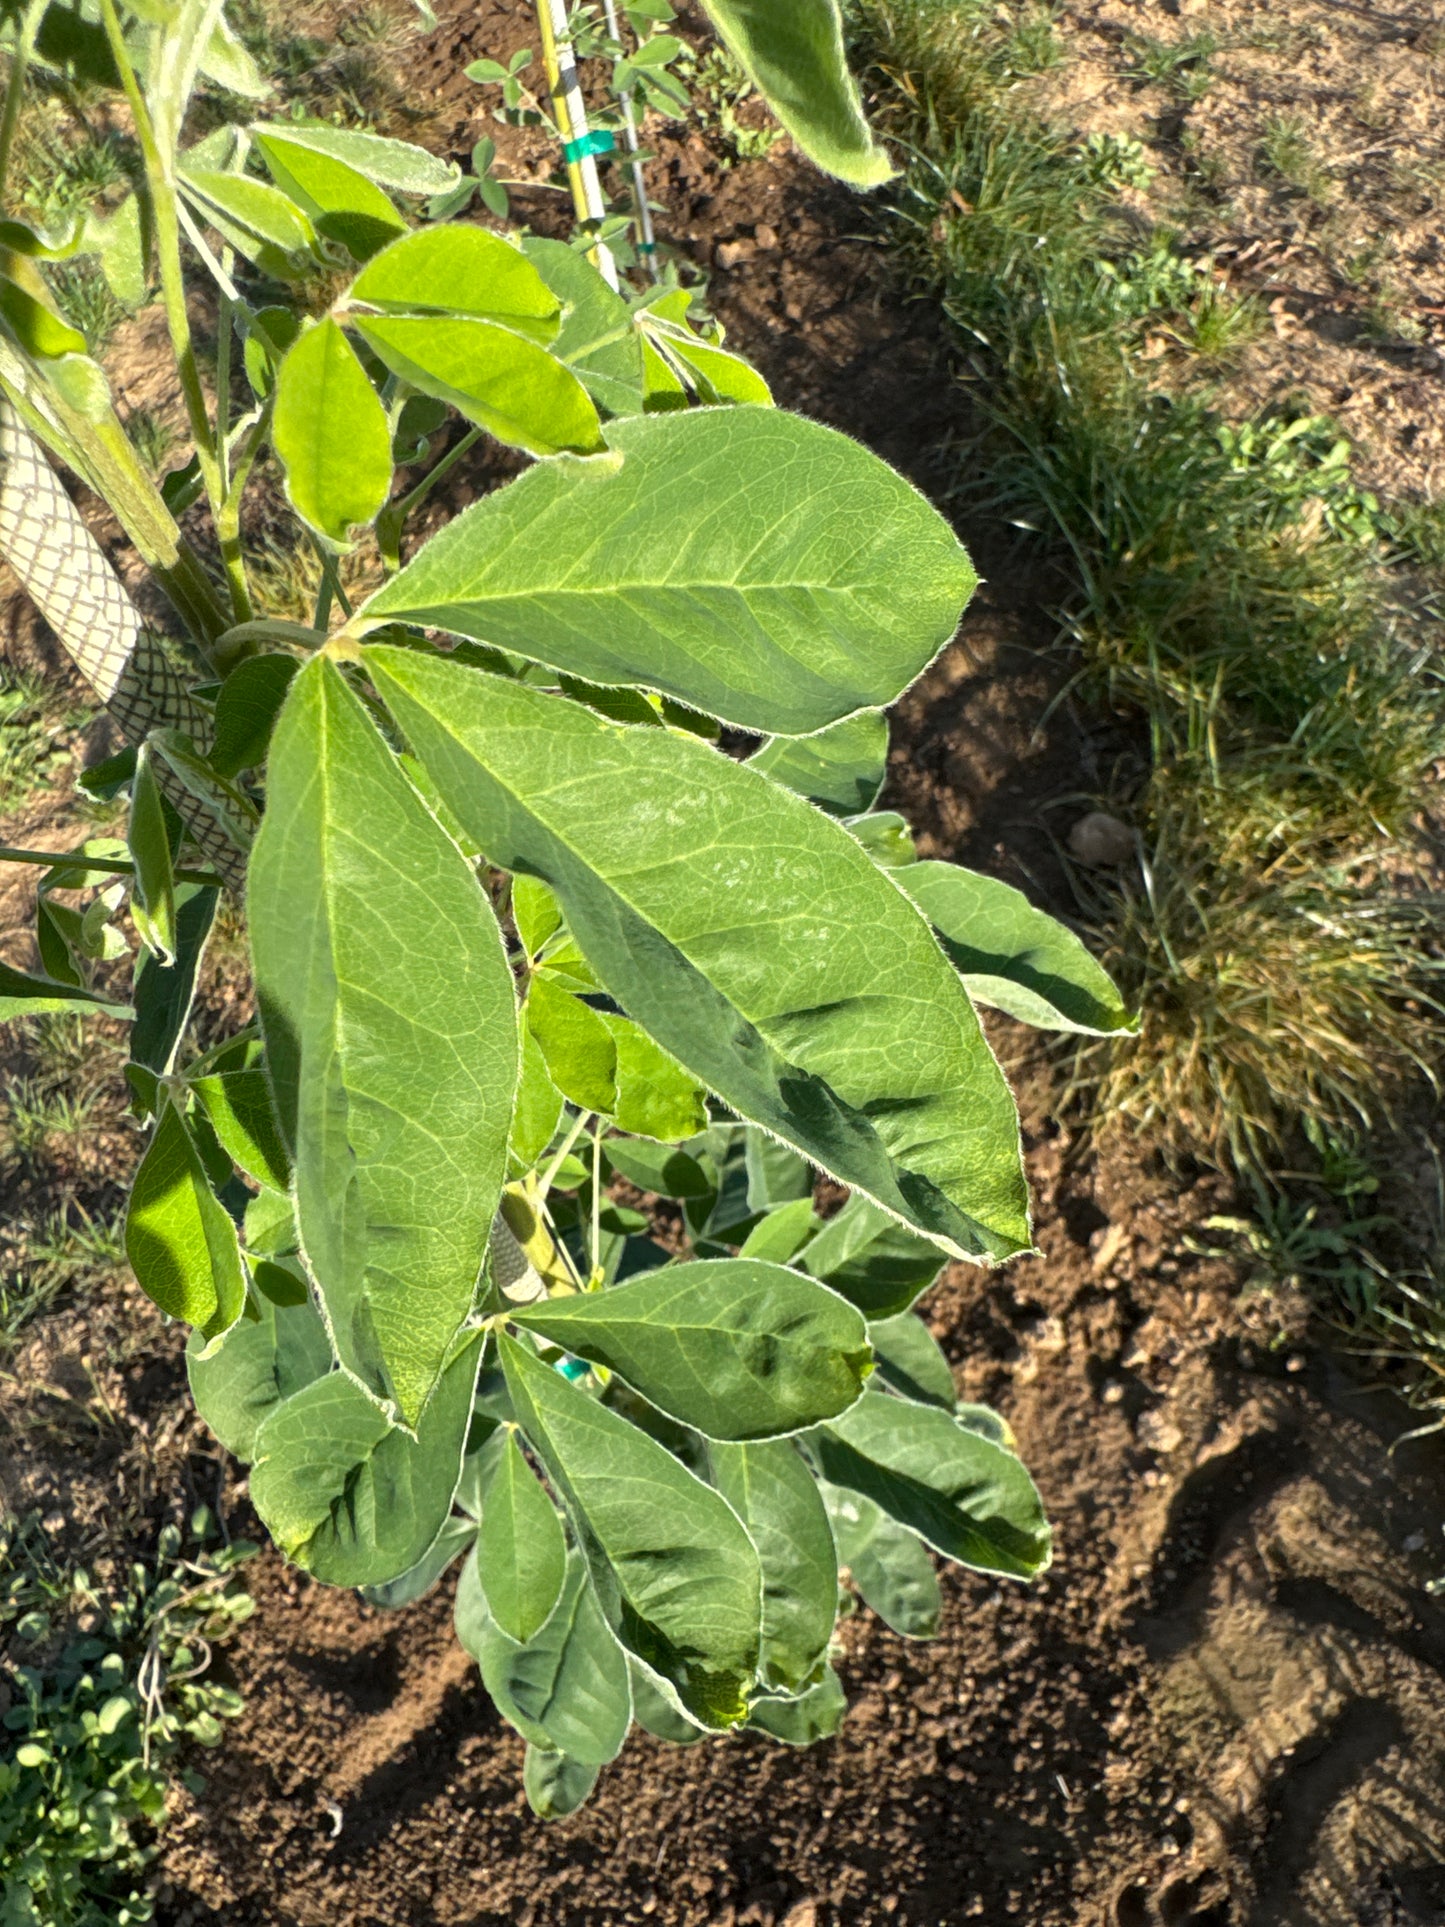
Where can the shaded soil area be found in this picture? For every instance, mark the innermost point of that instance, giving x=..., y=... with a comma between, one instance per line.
x=1225, y=1705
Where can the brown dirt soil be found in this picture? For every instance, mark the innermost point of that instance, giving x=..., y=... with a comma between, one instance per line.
x=1343, y=248
x=1225, y=1705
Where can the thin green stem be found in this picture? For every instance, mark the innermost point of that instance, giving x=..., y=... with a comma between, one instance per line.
x=160, y=179
x=112, y=865
x=549, y=1176
x=330, y=581
x=596, y=1205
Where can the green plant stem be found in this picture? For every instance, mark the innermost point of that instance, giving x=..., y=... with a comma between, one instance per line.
x=160, y=179
x=549, y=1176
x=392, y=520
x=15, y=86
x=117, y=866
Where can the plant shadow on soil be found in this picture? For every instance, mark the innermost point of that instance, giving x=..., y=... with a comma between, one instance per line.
x=1224, y=1707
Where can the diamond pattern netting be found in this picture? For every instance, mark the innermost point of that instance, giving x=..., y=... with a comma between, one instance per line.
x=67, y=576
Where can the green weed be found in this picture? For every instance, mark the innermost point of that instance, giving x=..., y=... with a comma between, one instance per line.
x=151, y=436
x=1180, y=65
x=31, y=721
x=1288, y=153
x=84, y=297
x=107, y=1686
x=719, y=88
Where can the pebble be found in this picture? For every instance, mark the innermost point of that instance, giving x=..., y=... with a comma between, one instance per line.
x=1098, y=839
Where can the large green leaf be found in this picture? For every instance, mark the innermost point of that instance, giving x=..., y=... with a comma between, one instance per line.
x=343, y=204
x=873, y=1262
x=912, y=1361
x=746, y=932
x=675, y=1571
x=390, y=163
x=890, y=1565
x=458, y=269
x=353, y=1499
x=815, y=582
x=566, y=1687
x=239, y=1106
x=555, y=1783
x=793, y=53
x=391, y=1033
x=22, y=995
x=841, y=769
x=258, y=1365
x=598, y=337
x=252, y=207
x=164, y=992
x=521, y=1548
x=331, y=433
x=1010, y=955
x=655, y=1098
x=180, y=1240
x=580, y=1054
x=733, y=1347
x=966, y=1495
x=815, y=1716
x=510, y=386
x=777, y=1498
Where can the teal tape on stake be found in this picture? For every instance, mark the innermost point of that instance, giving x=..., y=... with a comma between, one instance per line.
x=599, y=141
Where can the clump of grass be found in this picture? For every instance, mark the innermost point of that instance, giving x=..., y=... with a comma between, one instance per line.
x=84, y=297
x=151, y=436
x=1288, y=153
x=1180, y=65
x=108, y=1684
x=1233, y=590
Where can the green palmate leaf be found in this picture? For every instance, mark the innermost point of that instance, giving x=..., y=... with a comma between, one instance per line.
x=390, y=163
x=164, y=992
x=659, y=1716
x=246, y=712
x=239, y=1106
x=660, y=1168
x=457, y=1536
x=817, y=1715
x=539, y=1106
x=969, y=1497
x=355, y=1500
x=734, y=1348
x=776, y=1175
x=536, y=912
x=578, y=1048
x=566, y=1687
x=719, y=375
x=794, y=56
x=252, y=207
x=819, y=582
x=521, y=1548
x=510, y=386
x=750, y=936
x=777, y=1498
x=910, y=1359
x=676, y=1574
x=461, y=270
x=180, y=1241
x=555, y=1784
x=119, y=241
x=874, y=1263
x=1013, y=956
x=841, y=769
x=22, y=995
x=391, y=1034
x=782, y=1234
x=343, y=205
x=655, y=1097
x=598, y=337
x=331, y=434
x=890, y=1565
x=259, y=1364
x=153, y=904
